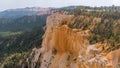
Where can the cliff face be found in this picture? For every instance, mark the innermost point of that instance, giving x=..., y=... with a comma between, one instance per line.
x=64, y=47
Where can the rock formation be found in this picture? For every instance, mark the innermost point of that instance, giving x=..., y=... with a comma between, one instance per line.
x=63, y=47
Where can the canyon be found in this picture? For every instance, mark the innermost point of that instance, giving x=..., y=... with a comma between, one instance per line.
x=67, y=37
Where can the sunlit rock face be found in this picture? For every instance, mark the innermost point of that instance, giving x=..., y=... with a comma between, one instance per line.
x=114, y=58
x=64, y=47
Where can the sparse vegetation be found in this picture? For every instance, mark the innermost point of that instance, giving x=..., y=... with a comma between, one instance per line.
x=15, y=60
x=105, y=29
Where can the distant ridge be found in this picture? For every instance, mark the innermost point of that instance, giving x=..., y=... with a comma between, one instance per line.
x=30, y=9
x=20, y=12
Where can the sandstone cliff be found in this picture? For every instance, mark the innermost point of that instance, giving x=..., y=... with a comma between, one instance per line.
x=64, y=47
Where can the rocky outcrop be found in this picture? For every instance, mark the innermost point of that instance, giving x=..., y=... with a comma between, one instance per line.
x=63, y=47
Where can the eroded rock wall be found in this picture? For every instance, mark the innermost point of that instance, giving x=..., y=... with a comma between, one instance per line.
x=64, y=47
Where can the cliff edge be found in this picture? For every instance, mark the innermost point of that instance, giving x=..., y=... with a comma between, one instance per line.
x=65, y=47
